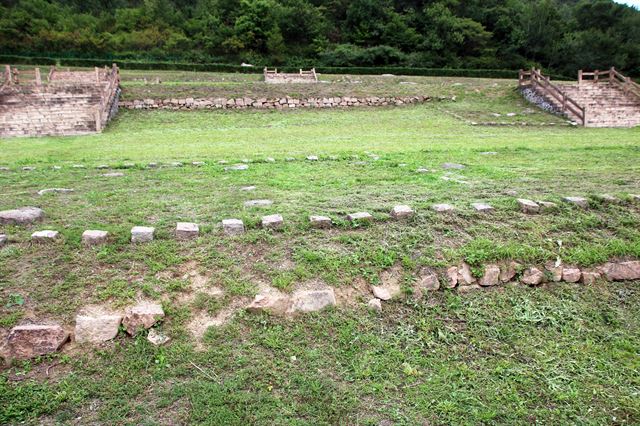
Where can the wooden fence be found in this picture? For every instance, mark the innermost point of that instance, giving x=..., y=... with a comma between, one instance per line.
x=612, y=76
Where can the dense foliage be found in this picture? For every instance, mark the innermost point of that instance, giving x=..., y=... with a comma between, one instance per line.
x=562, y=35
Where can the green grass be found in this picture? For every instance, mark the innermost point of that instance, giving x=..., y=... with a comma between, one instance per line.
x=563, y=354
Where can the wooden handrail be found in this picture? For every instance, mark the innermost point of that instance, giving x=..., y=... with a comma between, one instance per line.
x=535, y=78
x=625, y=83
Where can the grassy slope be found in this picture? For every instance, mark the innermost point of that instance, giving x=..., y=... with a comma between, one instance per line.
x=564, y=354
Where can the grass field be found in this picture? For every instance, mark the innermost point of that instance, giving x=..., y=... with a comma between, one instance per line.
x=560, y=354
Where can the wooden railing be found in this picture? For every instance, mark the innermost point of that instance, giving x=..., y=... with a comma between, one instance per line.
x=534, y=79
x=107, y=95
x=613, y=76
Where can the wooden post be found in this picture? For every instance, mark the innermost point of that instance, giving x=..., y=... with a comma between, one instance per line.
x=611, y=74
x=584, y=116
x=596, y=75
x=627, y=85
x=579, y=77
x=98, y=123
x=50, y=76
x=38, y=78
x=7, y=73
x=97, y=71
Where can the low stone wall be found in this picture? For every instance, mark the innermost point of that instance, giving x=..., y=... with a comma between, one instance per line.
x=273, y=103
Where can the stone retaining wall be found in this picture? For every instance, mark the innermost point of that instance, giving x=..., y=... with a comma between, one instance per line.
x=273, y=103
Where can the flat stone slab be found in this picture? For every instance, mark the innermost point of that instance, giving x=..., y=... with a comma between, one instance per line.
x=44, y=236
x=102, y=166
x=114, y=174
x=186, y=230
x=274, y=303
x=3, y=240
x=578, y=201
x=258, y=203
x=427, y=280
x=608, y=199
x=454, y=166
x=533, y=276
x=381, y=293
x=176, y=164
x=312, y=158
x=360, y=217
x=30, y=341
x=152, y=165
x=528, y=206
x=443, y=208
x=78, y=166
x=375, y=305
x=95, y=325
x=402, y=212
x=273, y=221
x=233, y=226
x=198, y=163
x=547, y=205
x=248, y=188
x=571, y=275
x=55, y=190
x=94, y=237
x=320, y=221
x=142, y=234
x=142, y=316
x=28, y=168
x=270, y=160
x=482, y=207
x=422, y=170
x=489, y=153
x=237, y=167
x=491, y=276
x=312, y=300
x=21, y=216
x=157, y=337
x=622, y=271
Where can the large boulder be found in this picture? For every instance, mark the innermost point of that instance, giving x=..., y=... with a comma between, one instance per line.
x=21, y=216
x=30, y=341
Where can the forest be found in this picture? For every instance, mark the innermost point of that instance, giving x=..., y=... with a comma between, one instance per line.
x=559, y=35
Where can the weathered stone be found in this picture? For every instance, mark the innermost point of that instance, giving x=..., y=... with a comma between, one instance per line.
x=320, y=221
x=464, y=275
x=608, y=199
x=94, y=237
x=571, y=275
x=187, y=230
x=375, y=305
x=401, y=212
x=622, y=271
x=157, y=337
x=95, y=325
x=274, y=221
x=491, y=276
x=233, y=226
x=45, y=236
x=142, y=234
x=528, y=206
x=312, y=158
x=198, y=163
x=482, y=207
x=468, y=288
x=381, y=292
x=509, y=271
x=427, y=280
x=30, y=341
x=270, y=160
x=152, y=165
x=142, y=316
x=28, y=168
x=114, y=174
x=274, y=303
x=55, y=190
x=590, y=277
x=634, y=197
x=237, y=167
x=489, y=153
x=176, y=164
x=443, y=208
x=452, y=277
x=78, y=166
x=360, y=217
x=258, y=203
x=102, y=166
x=578, y=201
x=454, y=166
x=532, y=276
x=21, y=216
x=3, y=240
x=422, y=170
x=312, y=300
x=248, y=188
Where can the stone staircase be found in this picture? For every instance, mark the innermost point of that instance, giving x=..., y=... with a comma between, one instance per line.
x=606, y=99
x=72, y=103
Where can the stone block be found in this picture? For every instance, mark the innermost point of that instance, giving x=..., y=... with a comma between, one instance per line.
x=55, y=190
x=21, y=216
x=577, y=201
x=142, y=316
x=95, y=325
x=187, y=230
x=533, y=276
x=30, y=341
x=320, y=222
x=590, y=277
x=45, y=236
x=454, y=166
x=274, y=303
x=3, y=240
x=491, y=276
x=94, y=237
x=359, y=217
x=142, y=234
x=375, y=305
x=312, y=300
x=233, y=226
x=401, y=212
x=571, y=275
x=482, y=207
x=274, y=221
x=622, y=271
x=443, y=208
x=528, y=206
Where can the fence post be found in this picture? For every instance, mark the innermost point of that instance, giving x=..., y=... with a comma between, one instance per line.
x=97, y=71
x=596, y=75
x=7, y=73
x=627, y=85
x=98, y=123
x=611, y=74
x=38, y=78
x=579, y=77
x=584, y=116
